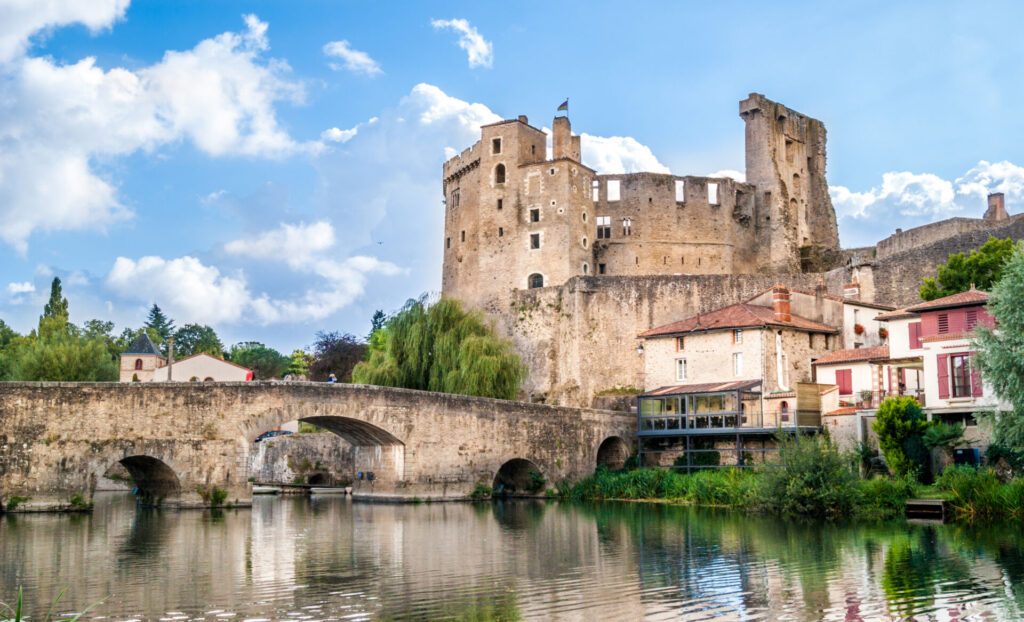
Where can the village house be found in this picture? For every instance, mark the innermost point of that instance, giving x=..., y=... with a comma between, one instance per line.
x=142, y=362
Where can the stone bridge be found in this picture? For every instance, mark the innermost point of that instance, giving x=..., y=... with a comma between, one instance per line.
x=188, y=444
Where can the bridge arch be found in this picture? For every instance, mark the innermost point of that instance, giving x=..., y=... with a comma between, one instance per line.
x=518, y=476
x=613, y=453
x=154, y=478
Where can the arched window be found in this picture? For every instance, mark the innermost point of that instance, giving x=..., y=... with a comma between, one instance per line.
x=784, y=411
x=207, y=379
x=535, y=280
x=193, y=379
x=586, y=269
x=499, y=174
x=138, y=364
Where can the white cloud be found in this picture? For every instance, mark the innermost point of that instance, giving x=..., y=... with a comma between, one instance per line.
x=479, y=51
x=337, y=135
x=20, y=19
x=56, y=120
x=354, y=60
x=730, y=173
x=295, y=244
x=618, y=154
x=21, y=288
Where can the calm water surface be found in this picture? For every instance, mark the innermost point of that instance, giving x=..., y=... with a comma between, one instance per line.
x=330, y=559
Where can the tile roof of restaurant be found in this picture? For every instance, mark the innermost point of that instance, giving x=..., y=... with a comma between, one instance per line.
x=736, y=316
x=852, y=355
x=964, y=299
x=704, y=387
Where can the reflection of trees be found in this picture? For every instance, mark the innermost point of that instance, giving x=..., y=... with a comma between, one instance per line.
x=908, y=573
x=1003, y=545
x=517, y=515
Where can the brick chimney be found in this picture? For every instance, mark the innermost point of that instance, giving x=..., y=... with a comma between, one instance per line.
x=780, y=304
x=996, y=208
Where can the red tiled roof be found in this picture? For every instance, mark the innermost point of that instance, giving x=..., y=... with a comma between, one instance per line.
x=846, y=410
x=963, y=299
x=853, y=354
x=736, y=316
x=704, y=387
x=894, y=315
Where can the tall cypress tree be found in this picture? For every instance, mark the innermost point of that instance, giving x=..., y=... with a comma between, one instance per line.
x=163, y=325
x=55, y=314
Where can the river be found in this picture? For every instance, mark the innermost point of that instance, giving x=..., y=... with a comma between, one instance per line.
x=328, y=558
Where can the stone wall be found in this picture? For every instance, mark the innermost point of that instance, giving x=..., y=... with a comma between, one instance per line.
x=315, y=459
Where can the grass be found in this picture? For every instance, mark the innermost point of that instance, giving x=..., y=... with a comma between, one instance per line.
x=16, y=612
x=979, y=495
x=14, y=501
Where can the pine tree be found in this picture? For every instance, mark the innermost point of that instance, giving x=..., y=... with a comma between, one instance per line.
x=55, y=314
x=163, y=325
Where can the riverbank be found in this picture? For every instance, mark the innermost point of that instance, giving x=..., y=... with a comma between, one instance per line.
x=972, y=495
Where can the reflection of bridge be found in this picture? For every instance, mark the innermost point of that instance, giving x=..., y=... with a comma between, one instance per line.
x=183, y=443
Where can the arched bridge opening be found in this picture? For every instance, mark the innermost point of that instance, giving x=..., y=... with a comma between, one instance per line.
x=613, y=453
x=518, y=477
x=153, y=479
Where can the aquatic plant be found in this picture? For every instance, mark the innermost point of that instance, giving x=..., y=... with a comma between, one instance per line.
x=16, y=612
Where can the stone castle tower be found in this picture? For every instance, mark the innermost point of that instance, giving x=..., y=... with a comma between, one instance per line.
x=516, y=220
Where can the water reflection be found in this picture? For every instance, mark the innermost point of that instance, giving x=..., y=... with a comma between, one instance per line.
x=326, y=558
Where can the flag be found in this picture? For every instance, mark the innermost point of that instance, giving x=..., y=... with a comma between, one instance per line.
x=564, y=106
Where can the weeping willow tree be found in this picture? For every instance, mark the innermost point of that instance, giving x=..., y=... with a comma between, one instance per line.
x=441, y=347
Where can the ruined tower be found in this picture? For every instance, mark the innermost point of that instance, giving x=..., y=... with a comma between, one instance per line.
x=785, y=159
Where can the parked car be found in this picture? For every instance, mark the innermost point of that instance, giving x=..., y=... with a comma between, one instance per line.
x=272, y=434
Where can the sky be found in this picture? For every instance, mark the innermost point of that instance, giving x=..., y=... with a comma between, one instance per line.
x=272, y=169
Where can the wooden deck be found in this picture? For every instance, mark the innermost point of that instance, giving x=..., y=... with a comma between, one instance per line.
x=927, y=509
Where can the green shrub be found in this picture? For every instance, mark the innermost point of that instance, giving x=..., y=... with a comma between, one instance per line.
x=882, y=498
x=78, y=502
x=14, y=501
x=900, y=424
x=537, y=481
x=811, y=479
x=977, y=494
x=481, y=491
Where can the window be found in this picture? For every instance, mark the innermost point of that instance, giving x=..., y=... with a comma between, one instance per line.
x=584, y=217
x=499, y=174
x=138, y=362
x=943, y=323
x=737, y=363
x=447, y=242
x=784, y=411
x=584, y=242
x=586, y=269
x=551, y=172
x=737, y=336
x=534, y=240
x=208, y=379
x=501, y=203
x=501, y=232
x=535, y=281
x=971, y=319
x=713, y=193
x=535, y=214
x=495, y=146
x=595, y=190
x=680, y=191
x=533, y=149
x=680, y=343
x=601, y=268
x=915, y=335
x=455, y=198
x=680, y=370
x=613, y=190
x=844, y=379
x=604, y=227
x=627, y=226
x=463, y=236
x=960, y=375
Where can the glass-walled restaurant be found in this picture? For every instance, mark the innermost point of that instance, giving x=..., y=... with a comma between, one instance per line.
x=710, y=408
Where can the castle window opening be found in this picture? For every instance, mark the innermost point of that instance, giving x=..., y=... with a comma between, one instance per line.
x=455, y=198
x=604, y=227
x=495, y=146
x=499, y=174
x=535, y=281
x=584, y=217
x=501, y=203
x=637, y=259
x=584, y=242
x=713, y=193
x=534, y=240
x=664, y=260
x=595, y=190
x=448, y=242
x=613, y=189
x=463, y=234
x=680, y=191
x=586, y=269
x=533, y=149
x=138, y=364
x=796, y=182
x=680, y=370
x=790, y=149
x=535, y=214
x=601, y=268
x=627, y=226
x=552, y=171
x=501, y=232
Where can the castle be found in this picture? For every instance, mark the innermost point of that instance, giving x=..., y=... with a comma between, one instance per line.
x=574, y=265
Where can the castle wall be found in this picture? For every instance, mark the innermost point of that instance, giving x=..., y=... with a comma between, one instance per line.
x=925, y=235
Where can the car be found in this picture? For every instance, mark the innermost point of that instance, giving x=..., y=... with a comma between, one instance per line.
x=272, y=434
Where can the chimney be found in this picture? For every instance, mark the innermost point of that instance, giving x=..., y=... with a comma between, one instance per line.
x=563, y=143
x=780, y=304
x=996, y=208
x=523, y=119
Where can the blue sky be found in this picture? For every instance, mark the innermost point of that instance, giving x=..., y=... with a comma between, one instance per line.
x=272, y=168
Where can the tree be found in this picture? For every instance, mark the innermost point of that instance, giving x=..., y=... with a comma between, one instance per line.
x=900, y=425
x=8, y=347
x=193, y=339
x=55, y=314
x=441, y=347
x=377, y=322
x=981, y=268
x=1001, y=351
x=65, y=357
x=163, y=325
x=298, y=363
x=265, y=363
x=335, y=353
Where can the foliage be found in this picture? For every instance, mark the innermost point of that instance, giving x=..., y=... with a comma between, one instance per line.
x=715, y=487
x=536, y=482
x=883, y=498
x=481, y=491
x=309, y=428
x=213, y=495
x=8, y=345
x=298, y=363
x=14, y=501
x=377, y=322
x=78, y=502
x=982, y=268
x=944, y=436
x=193, y=339
x=16, y=612
x=978, y=494
x=57, y=306
x=900, y=425
x=159, y=322
x=1001, y=352
x=65, y=357
x=335, y=353
x=1013, y=457
x=441, y=347
x=265, y=362
x=811, y=479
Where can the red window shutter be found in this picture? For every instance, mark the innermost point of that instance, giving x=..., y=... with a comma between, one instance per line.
x=976, y=388
x=844, y=379
x=943, y=376
x=915, y=335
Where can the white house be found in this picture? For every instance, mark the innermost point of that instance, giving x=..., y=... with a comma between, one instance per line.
x=202, y=368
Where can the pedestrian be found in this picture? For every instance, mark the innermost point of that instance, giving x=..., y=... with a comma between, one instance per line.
x=332, y=379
